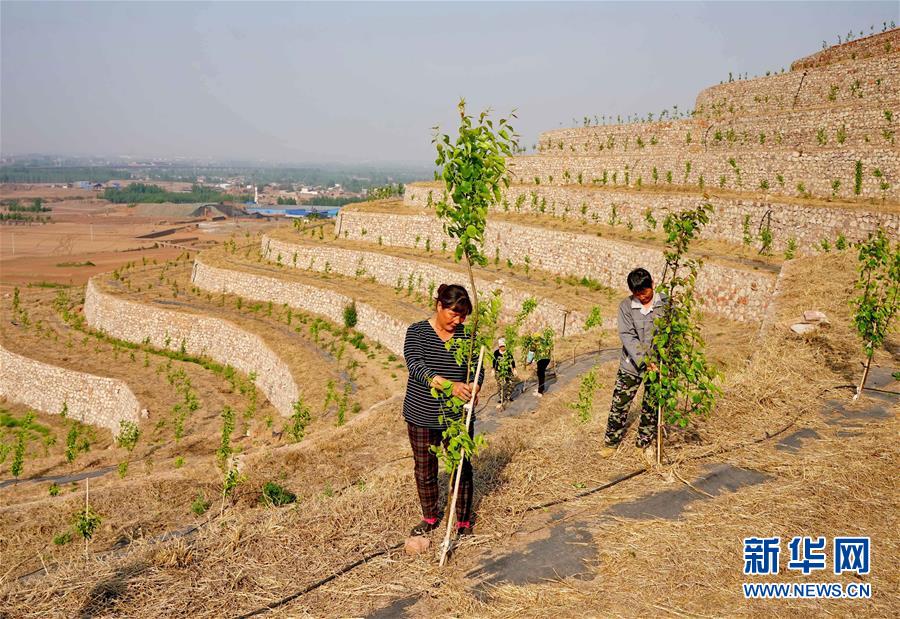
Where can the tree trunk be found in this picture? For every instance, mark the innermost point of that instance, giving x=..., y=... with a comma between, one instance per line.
x=475, y=319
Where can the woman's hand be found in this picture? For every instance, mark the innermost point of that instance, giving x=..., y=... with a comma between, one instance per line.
x=462, y=391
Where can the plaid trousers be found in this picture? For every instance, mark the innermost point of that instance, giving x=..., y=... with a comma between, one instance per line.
x=426, y=472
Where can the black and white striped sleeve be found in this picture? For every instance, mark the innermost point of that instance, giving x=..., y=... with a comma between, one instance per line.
x=414, y=353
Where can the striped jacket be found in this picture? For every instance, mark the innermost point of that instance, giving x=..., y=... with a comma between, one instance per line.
x=426, y=357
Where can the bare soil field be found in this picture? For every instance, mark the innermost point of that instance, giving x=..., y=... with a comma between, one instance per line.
x=88, y=235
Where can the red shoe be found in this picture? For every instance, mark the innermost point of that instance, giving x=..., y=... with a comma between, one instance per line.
x=424, y=527
x=463, y=528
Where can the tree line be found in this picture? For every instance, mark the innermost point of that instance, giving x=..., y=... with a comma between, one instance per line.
x=142, y=193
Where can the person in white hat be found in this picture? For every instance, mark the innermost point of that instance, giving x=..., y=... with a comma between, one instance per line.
x=504, y=373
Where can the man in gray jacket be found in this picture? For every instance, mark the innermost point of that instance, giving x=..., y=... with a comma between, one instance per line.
x=637, y=314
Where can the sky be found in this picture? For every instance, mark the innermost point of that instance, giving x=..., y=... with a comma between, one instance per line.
x=365, y=82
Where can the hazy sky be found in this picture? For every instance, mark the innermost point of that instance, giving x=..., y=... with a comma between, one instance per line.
x=355, y=82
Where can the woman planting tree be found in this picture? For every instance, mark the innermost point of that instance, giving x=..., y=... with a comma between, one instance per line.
x=434, y=378
x=473, y=168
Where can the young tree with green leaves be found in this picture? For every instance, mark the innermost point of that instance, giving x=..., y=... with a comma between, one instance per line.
x=681, y=381
x=18, y=461
x=473, y=169
x=879, y=283
x=128, y=436
x=584, y=405
x=87, y=521
x=300, y=418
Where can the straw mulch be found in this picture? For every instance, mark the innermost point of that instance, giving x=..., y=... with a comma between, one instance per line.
x=838, y=485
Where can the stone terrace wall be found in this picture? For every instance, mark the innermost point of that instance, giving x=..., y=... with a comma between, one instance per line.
x=631, y=137
x=736, y=294
x=95, y=400
x=874, y=45
x=370, y=321
x=816, y=171
x=201, y=335
x=806, y=225
x=863, y=128
x=874, y=81
x=401, y=272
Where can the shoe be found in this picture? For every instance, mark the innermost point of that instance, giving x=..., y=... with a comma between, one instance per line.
x=649, y=453
x=608, y=451
x=465, y=529
x=424, y=527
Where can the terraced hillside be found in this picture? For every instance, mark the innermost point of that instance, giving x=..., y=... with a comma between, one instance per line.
x=145, y=328
x=731, y=287
x=758, y=449
x=810, y=155
x=271, y=366
x=420, y=268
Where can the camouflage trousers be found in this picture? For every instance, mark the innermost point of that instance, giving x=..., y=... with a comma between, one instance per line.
x=505, y=387
x=623, y=393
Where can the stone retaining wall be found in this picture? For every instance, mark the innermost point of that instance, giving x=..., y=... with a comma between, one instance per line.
x=403, y=273
x=199, y=335
x=862, y=128
x=806, y=225
x=95, y=400
x=874, y=45
x=781, y=173
x=733, y=293
x=371, y=322
x=871, y=81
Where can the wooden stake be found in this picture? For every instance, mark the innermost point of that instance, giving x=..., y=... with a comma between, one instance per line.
x=862, y=383
x=470, y=406
x=87, y=494
x=659, y=422
x=658, y=435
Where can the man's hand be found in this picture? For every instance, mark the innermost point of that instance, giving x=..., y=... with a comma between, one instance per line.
x=652, y=367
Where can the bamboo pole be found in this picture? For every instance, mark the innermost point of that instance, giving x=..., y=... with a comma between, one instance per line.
x=470, y=406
